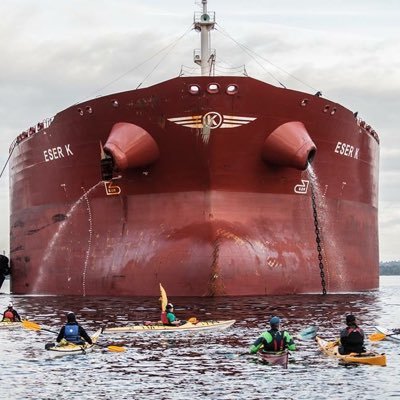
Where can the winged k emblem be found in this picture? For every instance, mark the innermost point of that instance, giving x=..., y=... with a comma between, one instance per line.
x=212, y=120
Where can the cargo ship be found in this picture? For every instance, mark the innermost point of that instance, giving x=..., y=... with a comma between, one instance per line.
x=212, y=185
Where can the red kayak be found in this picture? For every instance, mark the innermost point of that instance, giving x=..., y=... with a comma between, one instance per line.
x=274, y=358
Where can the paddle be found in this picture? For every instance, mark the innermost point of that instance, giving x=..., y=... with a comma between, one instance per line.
x=163, y=298
x=308, y=333
x=36, y=327
x=164, y=302
x=375, y=337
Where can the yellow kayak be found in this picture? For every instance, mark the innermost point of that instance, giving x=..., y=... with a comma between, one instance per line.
x=370, y=357
x=10, y=325
x=186, y=327
x=71, y=348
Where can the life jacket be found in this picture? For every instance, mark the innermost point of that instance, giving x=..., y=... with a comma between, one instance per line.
x=164, y=318
x=71, y=333
x=9, y=315
x=278, y=341
x=353, y=340
x=354, y=334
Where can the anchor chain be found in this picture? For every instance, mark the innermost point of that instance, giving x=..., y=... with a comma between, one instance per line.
x=318, y=240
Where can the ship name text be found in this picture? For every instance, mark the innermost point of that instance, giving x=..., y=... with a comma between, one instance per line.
x=347, y=150
x=57, y=152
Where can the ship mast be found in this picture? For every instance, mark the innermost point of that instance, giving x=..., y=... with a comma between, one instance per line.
x=204, y=22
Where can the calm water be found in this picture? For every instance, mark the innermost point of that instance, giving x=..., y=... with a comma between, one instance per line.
x=198, y=365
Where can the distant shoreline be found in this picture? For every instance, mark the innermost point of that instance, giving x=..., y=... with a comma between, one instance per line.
x=389, y=268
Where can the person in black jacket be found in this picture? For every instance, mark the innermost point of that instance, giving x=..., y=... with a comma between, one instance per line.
x=351, y=337
x=72, y=332
x=11, y=315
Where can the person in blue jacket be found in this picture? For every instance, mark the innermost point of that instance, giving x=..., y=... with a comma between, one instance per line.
x=72, y=332
x=274, y=339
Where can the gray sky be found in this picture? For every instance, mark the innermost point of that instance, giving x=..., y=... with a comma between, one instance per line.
x=57, y=53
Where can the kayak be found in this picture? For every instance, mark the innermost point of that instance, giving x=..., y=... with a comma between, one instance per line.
x=10, y=325
x=71, y=348
x=370, y=357
x=390, y=334
x=274, y=358
x=158, y=327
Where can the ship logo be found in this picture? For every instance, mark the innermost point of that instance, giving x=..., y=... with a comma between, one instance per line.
x=212, y=120
x=111, y=189
x=302, y=188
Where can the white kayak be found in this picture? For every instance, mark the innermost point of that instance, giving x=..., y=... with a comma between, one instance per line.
x=10, y=325
x=390, y=334
x=71, y=348
x=186, y=327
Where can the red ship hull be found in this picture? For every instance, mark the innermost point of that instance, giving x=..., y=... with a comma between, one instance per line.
x=205, y=210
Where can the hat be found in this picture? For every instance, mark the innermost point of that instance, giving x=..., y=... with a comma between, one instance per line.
x=350, y=319
x=170, y=305
x=71, y=316
x=10, y=305
x=275, y=321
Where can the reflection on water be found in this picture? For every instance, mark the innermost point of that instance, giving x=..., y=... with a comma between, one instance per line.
x=197, y=365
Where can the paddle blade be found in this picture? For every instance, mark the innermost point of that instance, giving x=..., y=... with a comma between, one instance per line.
x=375, y=337
x=116, y=349
x=31, y=325
x=308, y=333
x=163, y=298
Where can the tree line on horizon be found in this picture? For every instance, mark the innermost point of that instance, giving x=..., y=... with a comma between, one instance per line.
x=389, y=268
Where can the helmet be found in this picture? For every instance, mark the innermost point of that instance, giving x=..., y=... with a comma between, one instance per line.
x=274, y=321
x=10, y=305
x=350, y=319
x=169, y=306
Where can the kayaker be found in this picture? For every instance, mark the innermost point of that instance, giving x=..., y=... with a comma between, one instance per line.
x=11, y=315
x=169, y=318
x=274, y=339
x=72, y=332
x=351, y=337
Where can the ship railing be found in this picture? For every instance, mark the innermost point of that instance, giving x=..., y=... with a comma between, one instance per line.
x=362, y=124
x=40, y=126
x=219, y=70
